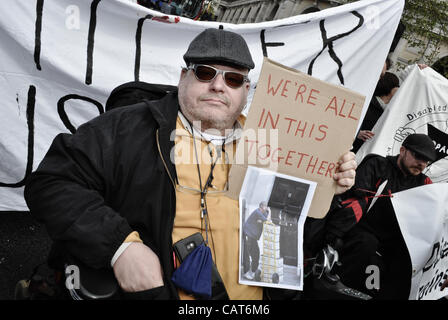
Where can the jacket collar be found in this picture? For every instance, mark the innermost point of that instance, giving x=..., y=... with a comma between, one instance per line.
x=165, y=112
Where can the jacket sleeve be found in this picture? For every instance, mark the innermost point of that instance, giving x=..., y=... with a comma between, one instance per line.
x=355, y=202
x=66, y=193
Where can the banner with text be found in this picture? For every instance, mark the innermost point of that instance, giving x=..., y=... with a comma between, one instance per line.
x=419, y=106
x=60, y=59
x=422, y=214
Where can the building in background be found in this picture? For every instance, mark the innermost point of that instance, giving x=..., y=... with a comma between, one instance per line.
x=426, y=37
x=250, y=11
x=403, y=51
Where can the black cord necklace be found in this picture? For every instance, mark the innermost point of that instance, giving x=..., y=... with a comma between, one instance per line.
x=205, y=219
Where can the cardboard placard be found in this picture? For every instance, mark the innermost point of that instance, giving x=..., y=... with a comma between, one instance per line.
x=300, y=126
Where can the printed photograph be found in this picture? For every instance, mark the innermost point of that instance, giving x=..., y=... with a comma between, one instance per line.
x=273, y=209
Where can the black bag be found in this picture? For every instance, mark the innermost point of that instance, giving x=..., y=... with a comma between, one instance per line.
x=136, y=91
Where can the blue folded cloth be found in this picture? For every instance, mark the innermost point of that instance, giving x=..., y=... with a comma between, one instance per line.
x=195, y=273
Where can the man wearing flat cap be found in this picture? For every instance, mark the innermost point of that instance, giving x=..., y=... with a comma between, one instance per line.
x=374, y=238
x=132, y=182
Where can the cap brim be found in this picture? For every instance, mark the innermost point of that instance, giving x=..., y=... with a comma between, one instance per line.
x=424, y=156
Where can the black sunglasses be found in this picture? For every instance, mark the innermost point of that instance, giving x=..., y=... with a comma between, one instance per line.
x=207, y=73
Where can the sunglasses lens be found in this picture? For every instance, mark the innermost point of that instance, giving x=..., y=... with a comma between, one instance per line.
x=234, y=80
x=205, y=73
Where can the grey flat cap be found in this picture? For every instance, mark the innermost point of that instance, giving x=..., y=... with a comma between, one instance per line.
x=217, y=45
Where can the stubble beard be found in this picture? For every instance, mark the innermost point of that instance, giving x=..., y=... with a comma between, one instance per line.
x=407, y=171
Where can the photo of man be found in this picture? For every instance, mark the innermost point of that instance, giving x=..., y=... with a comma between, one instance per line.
x=271, y=232
x=252, y=230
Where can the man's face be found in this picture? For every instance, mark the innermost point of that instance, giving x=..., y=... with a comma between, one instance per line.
x=213, y=103
x=394, y=91
x=409, y=163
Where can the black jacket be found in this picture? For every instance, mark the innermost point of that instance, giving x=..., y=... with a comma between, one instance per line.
x=372, y=172
x=352, y=206
x=108, y=179
x=378, y=234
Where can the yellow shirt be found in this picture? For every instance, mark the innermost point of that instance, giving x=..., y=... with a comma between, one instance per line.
x=223, y=212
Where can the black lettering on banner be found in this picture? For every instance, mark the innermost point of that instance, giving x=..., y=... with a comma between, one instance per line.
x=63, y=115
x=30, y=154
x=38, y=32
x=329, y=43
x=443, y=249
x=138, y=46
x=265, y=44
x=439, y=138
x=91, y=41
x=434, y=256
x=435, y=282
x=138, y=39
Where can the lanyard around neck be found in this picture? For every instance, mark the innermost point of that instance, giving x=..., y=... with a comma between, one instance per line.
x=204, y=212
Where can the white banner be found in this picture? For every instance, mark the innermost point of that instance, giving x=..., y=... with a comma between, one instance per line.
x=59, y=60
x=422, y=214
x=419, y=106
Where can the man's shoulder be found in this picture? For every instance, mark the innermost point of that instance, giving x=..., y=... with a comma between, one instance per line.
x=256, y=213
x=130, y=111
x=375, y=165
x=372, y=158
